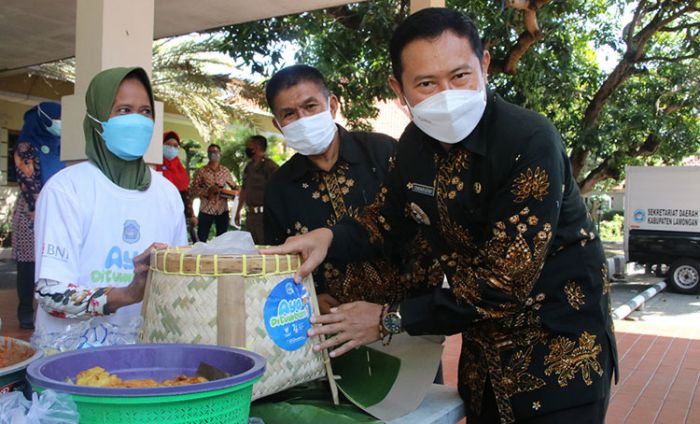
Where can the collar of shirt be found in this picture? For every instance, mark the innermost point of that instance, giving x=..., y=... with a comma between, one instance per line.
x=350, y=151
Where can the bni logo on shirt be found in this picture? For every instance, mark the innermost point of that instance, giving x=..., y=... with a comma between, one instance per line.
x=55, y=251
x=132, y=231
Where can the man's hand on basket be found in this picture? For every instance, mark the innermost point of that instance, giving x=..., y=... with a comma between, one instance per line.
x=312, y=246
x=349, y=326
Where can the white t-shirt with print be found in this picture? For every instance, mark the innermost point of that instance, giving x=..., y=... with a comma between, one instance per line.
x=88, y=231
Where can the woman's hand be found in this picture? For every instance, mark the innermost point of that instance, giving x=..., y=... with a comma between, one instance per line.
x=142, y=264
x=133, y=293
x=312, y=246
x=351, y=325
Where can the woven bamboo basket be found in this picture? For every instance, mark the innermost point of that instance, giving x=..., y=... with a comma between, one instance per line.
x=222, y=299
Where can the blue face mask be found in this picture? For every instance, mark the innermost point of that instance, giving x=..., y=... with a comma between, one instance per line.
x=55, y=127
x=127, y=136
x=169, y=152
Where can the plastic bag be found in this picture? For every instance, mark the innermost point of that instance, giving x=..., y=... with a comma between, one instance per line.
x=229, y=243
x=48, y=407
x=13, y=407
x=94, y=332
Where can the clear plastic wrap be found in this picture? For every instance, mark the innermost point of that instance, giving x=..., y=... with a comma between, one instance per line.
x=48, y=407
x=229, y=243
x=93, y=332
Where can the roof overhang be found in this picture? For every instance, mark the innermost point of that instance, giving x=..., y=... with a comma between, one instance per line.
x=40, y=31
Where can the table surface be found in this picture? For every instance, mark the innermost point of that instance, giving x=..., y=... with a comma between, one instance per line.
x=442, y=405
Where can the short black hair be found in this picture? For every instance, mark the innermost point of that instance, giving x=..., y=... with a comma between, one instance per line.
x=259, y=140
x=430, y=23
x=290, y=76
x=214, y=145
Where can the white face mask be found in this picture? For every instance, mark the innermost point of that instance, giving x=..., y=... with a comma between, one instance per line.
x=450, y=115
x=311, y=135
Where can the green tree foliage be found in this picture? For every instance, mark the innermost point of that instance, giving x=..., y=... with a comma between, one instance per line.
x=194, y=157
x=182, y=78
x=643, y=109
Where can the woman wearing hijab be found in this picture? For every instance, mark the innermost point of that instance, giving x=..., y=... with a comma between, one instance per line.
x=174, y=172
x=95, y=217
x=37, y=158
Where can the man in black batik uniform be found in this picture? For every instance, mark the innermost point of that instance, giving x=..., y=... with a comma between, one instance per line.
x=334, y=174
x=489, y=184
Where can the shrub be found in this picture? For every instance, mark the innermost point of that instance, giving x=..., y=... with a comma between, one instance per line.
x=612, y=230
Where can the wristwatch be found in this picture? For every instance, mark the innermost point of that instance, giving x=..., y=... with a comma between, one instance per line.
x=391, y=319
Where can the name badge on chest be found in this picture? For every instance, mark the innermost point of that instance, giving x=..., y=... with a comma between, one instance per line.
x=421, y=189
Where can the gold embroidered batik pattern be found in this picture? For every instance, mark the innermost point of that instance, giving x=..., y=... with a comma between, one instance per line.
x=381, y=282
x=472, y=374
x=370, y=217
x=586, y=236
x=449, y=183
x=516, y=378
x=606, y=280
x=566, y=359
x=525, y=327
x=336, y=185
x=606, y=294
x=464, y=284
x=574, y=295
x=300, y=228
x=531, y=183
x=514, y=266
x=493, y=359
x=369, y=281
x=423, y=269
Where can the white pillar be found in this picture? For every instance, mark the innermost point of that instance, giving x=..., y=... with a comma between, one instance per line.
x=417, y=5
x=109, y=33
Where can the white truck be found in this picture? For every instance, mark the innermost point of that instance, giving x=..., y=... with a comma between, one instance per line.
x=662, y=221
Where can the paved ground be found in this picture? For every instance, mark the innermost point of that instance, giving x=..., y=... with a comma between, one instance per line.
x=659, y=350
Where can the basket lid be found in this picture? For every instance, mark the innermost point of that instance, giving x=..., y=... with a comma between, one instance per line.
x=157, y=361
x=178, y=260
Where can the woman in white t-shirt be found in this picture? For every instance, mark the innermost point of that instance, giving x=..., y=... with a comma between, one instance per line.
x=97, y=221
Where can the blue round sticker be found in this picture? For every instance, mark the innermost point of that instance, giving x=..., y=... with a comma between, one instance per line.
x=287, y=312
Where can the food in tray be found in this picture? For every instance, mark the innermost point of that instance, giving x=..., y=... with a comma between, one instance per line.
x=99, y=377
x=13, y=353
